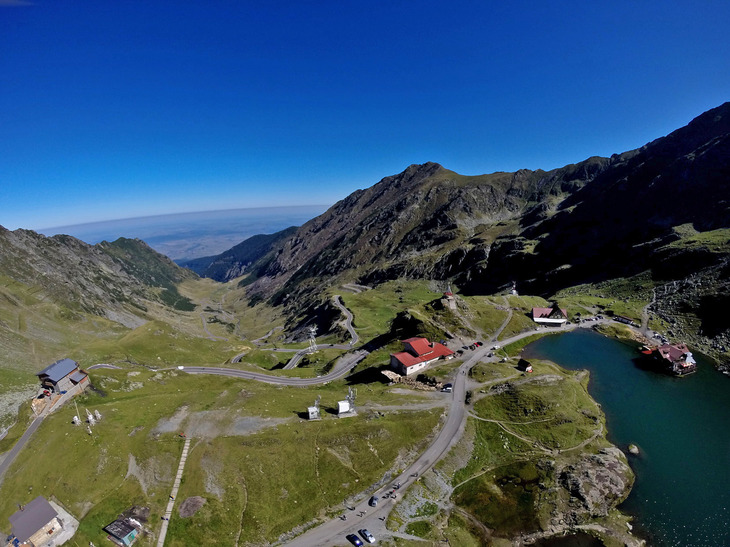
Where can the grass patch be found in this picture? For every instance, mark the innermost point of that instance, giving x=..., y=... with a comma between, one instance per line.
x=621, y=296
x=504, y=500
x=420, y=528
x=515, y=348
x=268, y=482
x=557, y=414
x=374, y=310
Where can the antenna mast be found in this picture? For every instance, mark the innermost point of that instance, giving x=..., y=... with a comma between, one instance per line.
x=312, y=341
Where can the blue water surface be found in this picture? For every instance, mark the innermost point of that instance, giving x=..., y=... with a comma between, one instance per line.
x=682, y=491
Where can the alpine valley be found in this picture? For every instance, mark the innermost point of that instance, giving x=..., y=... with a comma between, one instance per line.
x=307, y=313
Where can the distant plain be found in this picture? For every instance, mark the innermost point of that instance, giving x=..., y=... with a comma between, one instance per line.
x=184, y=236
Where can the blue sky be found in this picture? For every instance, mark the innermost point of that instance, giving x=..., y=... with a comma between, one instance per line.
x=121, y=109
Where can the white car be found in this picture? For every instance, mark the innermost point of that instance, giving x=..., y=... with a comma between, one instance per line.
x=367, y=536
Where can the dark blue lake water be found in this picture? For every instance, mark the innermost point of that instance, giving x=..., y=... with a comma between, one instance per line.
x=682, y=491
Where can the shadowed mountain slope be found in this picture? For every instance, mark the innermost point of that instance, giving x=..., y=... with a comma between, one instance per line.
x=594, y=220
x=235, y=261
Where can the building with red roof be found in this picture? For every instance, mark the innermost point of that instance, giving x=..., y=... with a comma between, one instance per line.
x=417, y=354
x=676, y=358
x=554, y=315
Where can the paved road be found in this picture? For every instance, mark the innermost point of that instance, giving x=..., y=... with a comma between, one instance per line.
x=103, y=365
x=333, y=532
x=10, y=456
x=337, y=301
x=342, y=367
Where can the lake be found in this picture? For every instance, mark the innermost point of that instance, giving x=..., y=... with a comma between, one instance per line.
x=682, y=491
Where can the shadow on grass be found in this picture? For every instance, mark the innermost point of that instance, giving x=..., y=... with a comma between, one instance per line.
x=370, y=375
x=379, y=342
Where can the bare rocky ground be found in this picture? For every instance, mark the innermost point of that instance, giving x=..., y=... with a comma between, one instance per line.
x=151, y=472
x=208, y=424
x=10, y=403
x=190, y=506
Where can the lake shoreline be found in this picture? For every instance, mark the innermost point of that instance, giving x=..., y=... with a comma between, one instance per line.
x=666, y=507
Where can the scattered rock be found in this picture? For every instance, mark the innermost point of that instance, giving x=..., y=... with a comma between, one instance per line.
x=633, y=449
x=598, y=481
x=191, y=506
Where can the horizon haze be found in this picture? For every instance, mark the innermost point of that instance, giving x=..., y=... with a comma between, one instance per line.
x=185, y=236
x=120, y=110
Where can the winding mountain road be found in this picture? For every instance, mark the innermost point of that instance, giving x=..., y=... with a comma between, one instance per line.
x=337, y=301
x=332, y=532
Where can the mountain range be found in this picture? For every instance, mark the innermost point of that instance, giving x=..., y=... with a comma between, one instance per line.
x=662, y=210
x=649, y=209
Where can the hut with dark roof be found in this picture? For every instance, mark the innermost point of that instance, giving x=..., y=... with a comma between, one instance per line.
x=34, y=524
x=122, y=531
x=62, y=375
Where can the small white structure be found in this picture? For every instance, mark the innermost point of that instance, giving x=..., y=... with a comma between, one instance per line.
x=97, y=415
x=343, y=407
x=76, y=420
x=347, y=407
x=314, y=410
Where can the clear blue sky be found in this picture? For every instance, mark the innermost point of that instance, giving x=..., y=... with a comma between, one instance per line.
x=114, y=109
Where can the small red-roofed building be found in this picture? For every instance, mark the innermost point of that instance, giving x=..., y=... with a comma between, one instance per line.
x=417, y=354
x=554, y=316
x=676, y=359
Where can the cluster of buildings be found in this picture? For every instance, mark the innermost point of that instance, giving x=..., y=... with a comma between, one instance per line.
x=41, y=523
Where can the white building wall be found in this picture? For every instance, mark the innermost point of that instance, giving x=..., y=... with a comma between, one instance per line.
x=545, y=321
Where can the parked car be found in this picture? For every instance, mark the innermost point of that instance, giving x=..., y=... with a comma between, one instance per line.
x=352, y=538
x=447, y=388
x=367, y=536
x=497, y=346
x=373, y=501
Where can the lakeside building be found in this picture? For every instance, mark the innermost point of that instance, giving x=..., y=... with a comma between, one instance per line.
x=34, y=524
x=625, y=320
x=553, y=316
x=417, y=354
x=675, y=359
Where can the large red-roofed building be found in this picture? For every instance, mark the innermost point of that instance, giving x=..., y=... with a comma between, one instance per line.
x=554, y=315
x=417, y=354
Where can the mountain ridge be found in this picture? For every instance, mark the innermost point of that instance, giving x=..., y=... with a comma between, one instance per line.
x=457, y=217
